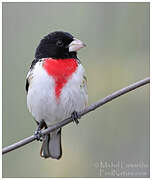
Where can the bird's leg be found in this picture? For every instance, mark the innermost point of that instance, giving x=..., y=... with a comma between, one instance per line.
x=75, y=116
x=37, y=133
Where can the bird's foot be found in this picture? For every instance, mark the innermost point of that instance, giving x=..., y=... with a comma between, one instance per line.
x=38, y=135
x=75, y=116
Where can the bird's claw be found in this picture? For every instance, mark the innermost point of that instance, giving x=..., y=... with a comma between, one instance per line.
x=38, y=135
x=75, y=116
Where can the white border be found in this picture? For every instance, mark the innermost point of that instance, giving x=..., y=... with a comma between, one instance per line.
x=1, y=84
x=150, y=93
x=1, y=88
x=74, y=1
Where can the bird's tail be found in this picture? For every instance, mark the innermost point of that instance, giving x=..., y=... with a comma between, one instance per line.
x=51, y=146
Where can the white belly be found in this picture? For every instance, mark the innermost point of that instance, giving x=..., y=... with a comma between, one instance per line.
x=41, y=99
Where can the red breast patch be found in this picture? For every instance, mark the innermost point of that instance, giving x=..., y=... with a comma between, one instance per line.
x=61, y=70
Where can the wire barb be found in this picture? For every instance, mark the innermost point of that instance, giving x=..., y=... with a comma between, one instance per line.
x=88, y=109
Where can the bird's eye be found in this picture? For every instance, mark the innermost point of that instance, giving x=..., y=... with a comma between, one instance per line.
x=59, y=43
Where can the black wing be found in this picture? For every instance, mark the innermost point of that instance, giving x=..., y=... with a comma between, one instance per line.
x=27, y=85
x=29, y=75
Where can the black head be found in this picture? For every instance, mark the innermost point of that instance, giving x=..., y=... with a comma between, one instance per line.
x=58, y=45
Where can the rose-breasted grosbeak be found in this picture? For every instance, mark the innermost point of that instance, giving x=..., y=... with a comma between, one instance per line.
x=56, y=86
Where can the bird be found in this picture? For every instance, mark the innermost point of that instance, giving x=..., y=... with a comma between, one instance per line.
x=56, y=87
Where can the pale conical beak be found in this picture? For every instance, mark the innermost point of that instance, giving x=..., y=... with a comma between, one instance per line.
x=75, y=45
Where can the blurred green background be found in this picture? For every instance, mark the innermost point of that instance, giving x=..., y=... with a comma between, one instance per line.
x=117, y=54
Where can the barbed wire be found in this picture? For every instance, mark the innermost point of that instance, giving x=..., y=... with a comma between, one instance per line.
x=88, y=109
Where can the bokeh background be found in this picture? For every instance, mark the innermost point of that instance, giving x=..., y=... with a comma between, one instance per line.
x=117, y=54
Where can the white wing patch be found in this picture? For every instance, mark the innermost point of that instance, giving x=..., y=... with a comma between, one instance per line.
x=84, y=86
